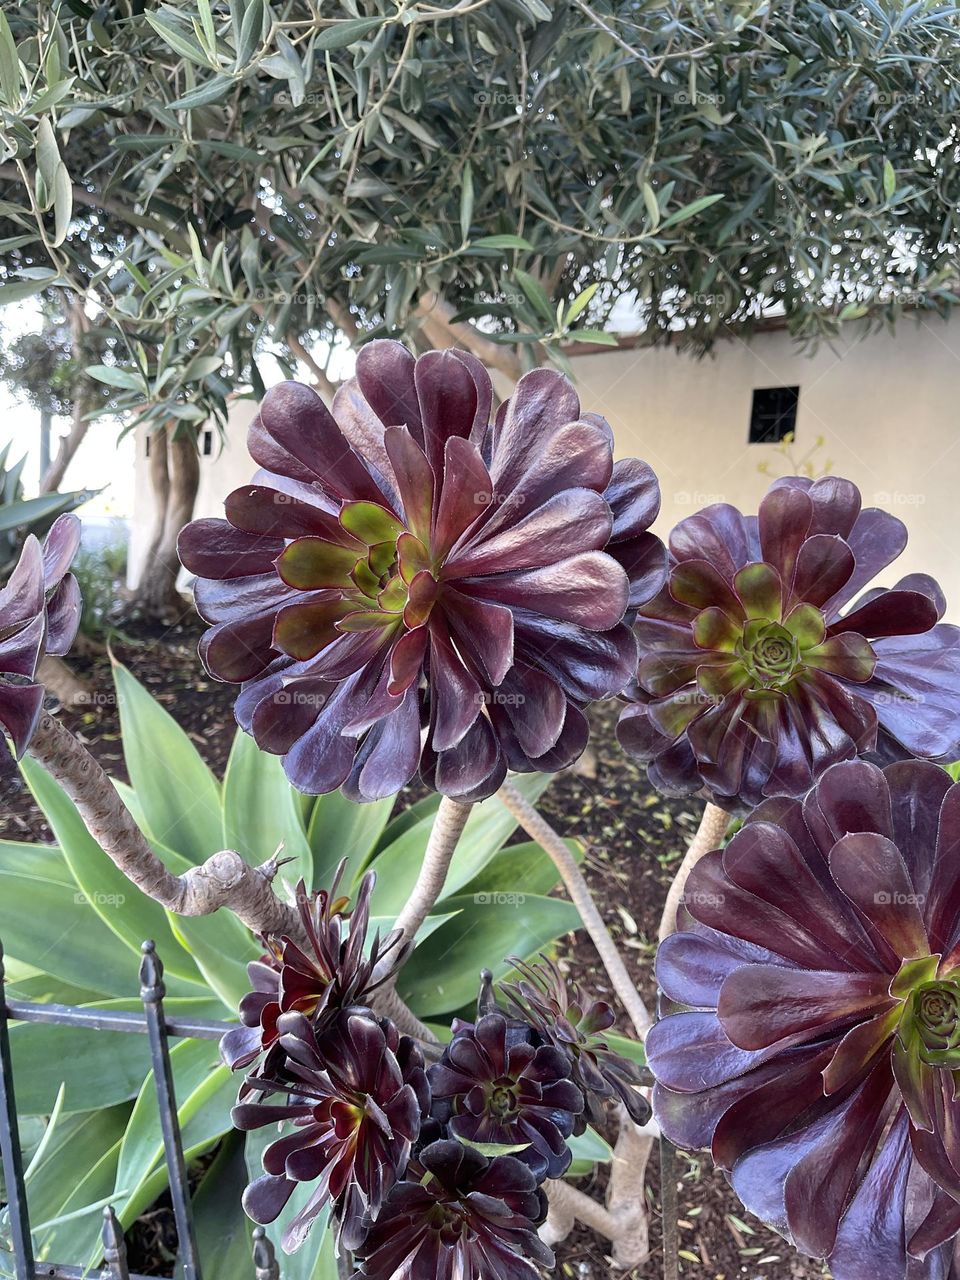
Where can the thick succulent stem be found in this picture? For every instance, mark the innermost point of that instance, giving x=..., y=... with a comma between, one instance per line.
x=447, y=828
x=446, y=831
x=224, y=880
x=709, y=835
x=540, y=830
x=625, y=1192
x=623, y=1219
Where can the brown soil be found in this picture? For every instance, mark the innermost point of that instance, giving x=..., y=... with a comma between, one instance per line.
x=634, y=838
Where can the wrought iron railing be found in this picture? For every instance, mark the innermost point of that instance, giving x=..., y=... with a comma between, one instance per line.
x=159, y=1030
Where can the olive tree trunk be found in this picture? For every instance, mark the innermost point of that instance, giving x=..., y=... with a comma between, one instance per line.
x=174, y=473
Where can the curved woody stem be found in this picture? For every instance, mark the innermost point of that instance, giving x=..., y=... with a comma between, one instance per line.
x=709, y=836
x=540, y=830
x=224, y=880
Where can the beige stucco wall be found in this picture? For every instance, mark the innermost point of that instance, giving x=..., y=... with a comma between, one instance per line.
x=886, y=405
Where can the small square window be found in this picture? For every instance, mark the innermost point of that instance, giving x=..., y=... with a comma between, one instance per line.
x=773, y=414
x=207, y=448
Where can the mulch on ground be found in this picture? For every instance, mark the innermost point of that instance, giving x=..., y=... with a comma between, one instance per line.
x=634, y=838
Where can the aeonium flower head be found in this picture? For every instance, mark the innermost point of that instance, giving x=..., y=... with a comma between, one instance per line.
x=458, y=1215
x=334, y=972
x=812, y=1001
x=499, y=1086
x=357, y=1091
x=39, y=614
x=756, y=674
x=404, y=561
x=562, y=1016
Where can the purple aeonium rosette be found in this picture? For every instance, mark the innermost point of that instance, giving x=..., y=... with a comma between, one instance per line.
x=458, y=1214
x=812, y=1031
x=499, y=1086
x=757, y=673
x=356, y=1094
x=405, y=563
x=39, y=614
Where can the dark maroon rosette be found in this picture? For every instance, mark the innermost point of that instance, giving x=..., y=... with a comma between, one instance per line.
x=757, y=673
x=811, y=1036
x=403, y=564
x=39, y=614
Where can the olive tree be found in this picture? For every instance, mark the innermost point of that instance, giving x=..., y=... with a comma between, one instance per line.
x=216, y=180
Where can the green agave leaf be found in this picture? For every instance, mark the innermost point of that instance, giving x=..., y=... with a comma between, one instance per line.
x=488, y=828
x=408, y=818
x=205, y=1092
x=341, y=829
x=588, y=1149
x=429, y=926
x=260, y=810
x=179, y=796
x=443, y=973
x=75, y=946
x=224, y=1233
x=98, y=1068
x=25, y=983
x=519, y=869
x=632, y=1049
x=127, y=912
x=78, y=1169
x=221, y=948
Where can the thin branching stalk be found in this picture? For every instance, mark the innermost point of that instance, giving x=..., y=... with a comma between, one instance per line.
x=709, y=836
x=540, y=830
x=447, y=828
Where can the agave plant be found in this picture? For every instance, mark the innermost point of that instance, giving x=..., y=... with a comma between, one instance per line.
x=95, y=921
x=812, y=997
x=755, y=675
x=39, y=614
x=404, y=561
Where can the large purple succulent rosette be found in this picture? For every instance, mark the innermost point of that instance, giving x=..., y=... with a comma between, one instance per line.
x=39, y=614
x=403, y=561
x=756, y=673
x=811, y=1036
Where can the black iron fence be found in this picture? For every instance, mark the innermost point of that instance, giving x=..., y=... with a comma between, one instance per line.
x=159, y=1031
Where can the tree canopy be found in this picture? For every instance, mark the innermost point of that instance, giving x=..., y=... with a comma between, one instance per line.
x=217, y=177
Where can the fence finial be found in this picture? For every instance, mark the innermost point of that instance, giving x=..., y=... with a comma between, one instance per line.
x=151, y=974
x=114, y=1247
x=264, y=1258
